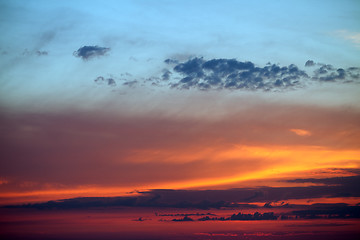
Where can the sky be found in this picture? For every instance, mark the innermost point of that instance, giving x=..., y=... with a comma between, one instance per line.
x=180, y=101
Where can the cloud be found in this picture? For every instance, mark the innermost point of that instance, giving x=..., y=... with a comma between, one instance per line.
x=301, y=132
x=232, y=74
x=88, y=52
x=215, y=74
x=108, y=81
x=309, y=63
x=26, y=52
x=328, y=73
x=166, y=75
x=130, y=83
x=353, y=37
x=171, y=61
x=339, y=210
x=243, y=217
x=350, y=181
x=41, y=53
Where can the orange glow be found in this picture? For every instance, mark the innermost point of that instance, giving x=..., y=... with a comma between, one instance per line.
x=270, y=162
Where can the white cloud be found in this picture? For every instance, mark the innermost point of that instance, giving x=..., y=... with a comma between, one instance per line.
x=353, y=37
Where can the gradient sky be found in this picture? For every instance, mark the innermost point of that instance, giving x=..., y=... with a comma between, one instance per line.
x=102, y=98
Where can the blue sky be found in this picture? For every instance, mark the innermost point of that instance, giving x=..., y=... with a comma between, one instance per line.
x=142, y=34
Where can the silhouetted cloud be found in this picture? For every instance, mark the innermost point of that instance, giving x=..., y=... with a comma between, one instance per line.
x=243, y=217
x=108, y=81
x=184, y=219
x=340, y=210
x=88, y=52
x=348, y=182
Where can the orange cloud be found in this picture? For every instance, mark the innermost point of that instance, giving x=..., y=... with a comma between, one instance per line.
x=301, y=132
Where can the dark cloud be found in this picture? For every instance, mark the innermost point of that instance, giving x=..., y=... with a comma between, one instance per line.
x=184, y=219
x=233, y=74
x=328, y=73
x=215, y=74
x=309, y=63
x=41, y=53
x=108, y=81
x=88, y=52
x=166, y=75
x=130, y=83
x=171, y=61
x=348, y=181
x=339, y=210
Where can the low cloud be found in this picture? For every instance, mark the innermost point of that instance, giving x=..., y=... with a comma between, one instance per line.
x=88, y=52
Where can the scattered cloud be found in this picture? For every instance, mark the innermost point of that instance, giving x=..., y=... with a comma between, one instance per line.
x=88, y=52
x=27, y=52
x=328, y=73
x=215, y=74
x=108, y=81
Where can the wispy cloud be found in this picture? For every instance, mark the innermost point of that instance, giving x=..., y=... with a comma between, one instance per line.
x=353, y=37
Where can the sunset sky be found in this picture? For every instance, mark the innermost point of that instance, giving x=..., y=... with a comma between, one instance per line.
x=131, y=98
x=96, y=98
